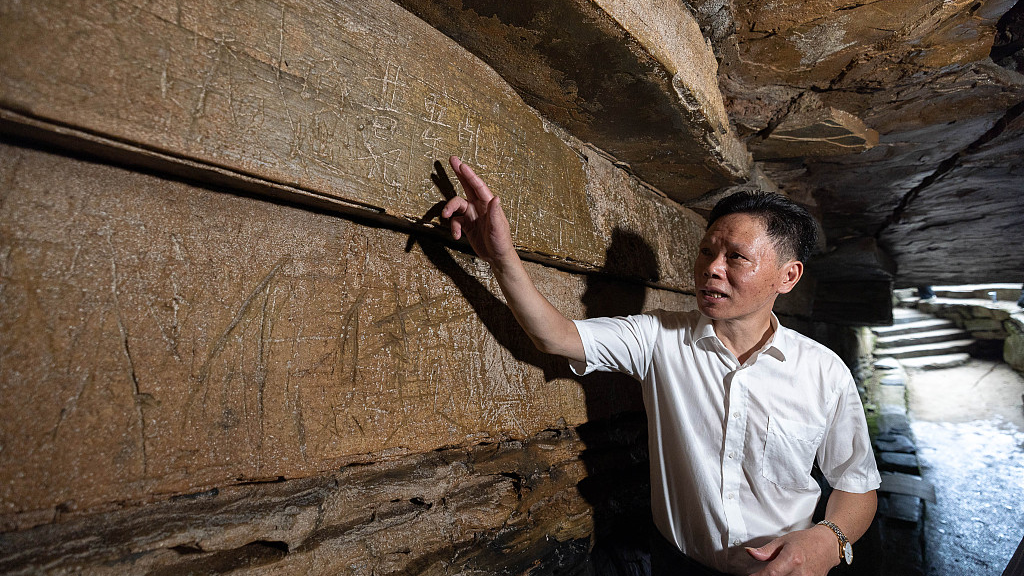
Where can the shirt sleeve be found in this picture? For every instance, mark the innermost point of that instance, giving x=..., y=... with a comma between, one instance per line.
x=845, y=456
x=622, y=344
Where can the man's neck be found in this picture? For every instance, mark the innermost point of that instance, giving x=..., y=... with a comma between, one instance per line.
x=745, y=336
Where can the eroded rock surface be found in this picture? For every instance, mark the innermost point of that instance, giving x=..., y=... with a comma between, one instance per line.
x=162, y=339
x=232, y=334
x=936, y=192
x=880, y=115
x=520, y=506
x=635, y=79
x=330, y=105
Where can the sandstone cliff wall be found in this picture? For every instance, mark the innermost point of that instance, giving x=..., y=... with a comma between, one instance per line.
x=232, y=332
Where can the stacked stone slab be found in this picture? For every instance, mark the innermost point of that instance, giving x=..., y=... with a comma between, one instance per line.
x=638, y=80
x=234, y=333
x=1013, y=346
x=894, y=544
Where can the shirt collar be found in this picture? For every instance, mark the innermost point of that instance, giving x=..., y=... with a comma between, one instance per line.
x=776, y=346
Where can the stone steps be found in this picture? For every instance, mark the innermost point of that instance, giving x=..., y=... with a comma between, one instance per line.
x=922, y=341
x=908, y=315
x=936, y=362
x=921, y=337
x=930, y=349
x=929, y=323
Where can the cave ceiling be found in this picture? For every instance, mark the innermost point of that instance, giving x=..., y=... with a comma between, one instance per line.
x=898, y=122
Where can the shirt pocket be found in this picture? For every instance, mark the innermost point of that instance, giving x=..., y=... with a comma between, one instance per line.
x=789, y=452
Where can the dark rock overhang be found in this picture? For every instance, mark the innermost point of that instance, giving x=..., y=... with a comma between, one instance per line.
x=889, y=119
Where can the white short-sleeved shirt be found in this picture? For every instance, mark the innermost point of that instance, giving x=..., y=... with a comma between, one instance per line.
x=732, y=445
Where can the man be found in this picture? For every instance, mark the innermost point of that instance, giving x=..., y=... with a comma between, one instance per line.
x=738, y=407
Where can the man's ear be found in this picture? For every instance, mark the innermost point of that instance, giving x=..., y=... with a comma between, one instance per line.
x=789, y=275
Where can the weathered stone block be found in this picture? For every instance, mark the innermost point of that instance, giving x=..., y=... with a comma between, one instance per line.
x=981, y=324
x=513, y=504
x=895, y=443
x=163, y=339
x=894, y=423
x=648, y=237
x=803, y=45
x=635, y=78
x=891, y=398
x=903, y=507
x=1013, y=346
x=893, y=380
x=989, y=335
x=813, y=130
x=981, y=312
x=910, y=484
x=1015, y=323
x=901, y=550
x=899, y=462
x=324, y=103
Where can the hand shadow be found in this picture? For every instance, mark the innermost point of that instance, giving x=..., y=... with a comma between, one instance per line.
x=494, y=314
x=617, y=484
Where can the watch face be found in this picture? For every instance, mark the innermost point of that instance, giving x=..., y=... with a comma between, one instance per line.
x=848, y=553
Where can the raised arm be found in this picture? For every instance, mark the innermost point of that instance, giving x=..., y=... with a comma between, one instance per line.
x=480, y=218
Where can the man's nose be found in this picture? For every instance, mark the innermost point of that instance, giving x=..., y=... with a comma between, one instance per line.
x=714, y=266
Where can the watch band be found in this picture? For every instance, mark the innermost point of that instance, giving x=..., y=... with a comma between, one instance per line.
x=845, y=548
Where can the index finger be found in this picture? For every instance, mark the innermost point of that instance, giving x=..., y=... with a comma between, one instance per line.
x=474, y=186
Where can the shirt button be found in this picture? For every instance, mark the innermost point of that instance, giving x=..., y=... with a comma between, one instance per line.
x=731, y=495
x=732, y=454
x=735, y=414
x=736, y=542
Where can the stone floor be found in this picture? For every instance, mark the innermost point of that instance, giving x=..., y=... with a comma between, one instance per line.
x=969, y=426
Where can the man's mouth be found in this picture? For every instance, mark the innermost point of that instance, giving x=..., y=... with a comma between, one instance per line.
x=713, y=294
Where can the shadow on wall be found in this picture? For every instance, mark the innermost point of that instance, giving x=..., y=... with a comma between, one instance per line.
x=617, y=485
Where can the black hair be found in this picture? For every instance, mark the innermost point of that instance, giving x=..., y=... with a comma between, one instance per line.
x=790, y=226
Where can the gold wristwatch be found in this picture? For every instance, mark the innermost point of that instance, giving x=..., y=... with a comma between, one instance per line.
x=845, y=548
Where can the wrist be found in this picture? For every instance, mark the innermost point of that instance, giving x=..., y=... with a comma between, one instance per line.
x=505, y=263
x=839, y=542
x=827, y=542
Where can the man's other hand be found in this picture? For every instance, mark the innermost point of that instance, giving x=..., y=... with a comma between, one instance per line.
x=479, y=216
x=811, y=552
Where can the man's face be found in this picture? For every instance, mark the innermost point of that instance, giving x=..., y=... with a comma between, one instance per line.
x=737, y=272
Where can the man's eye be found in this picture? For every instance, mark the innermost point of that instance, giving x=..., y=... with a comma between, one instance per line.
x=705, y=252
x=735, y=255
